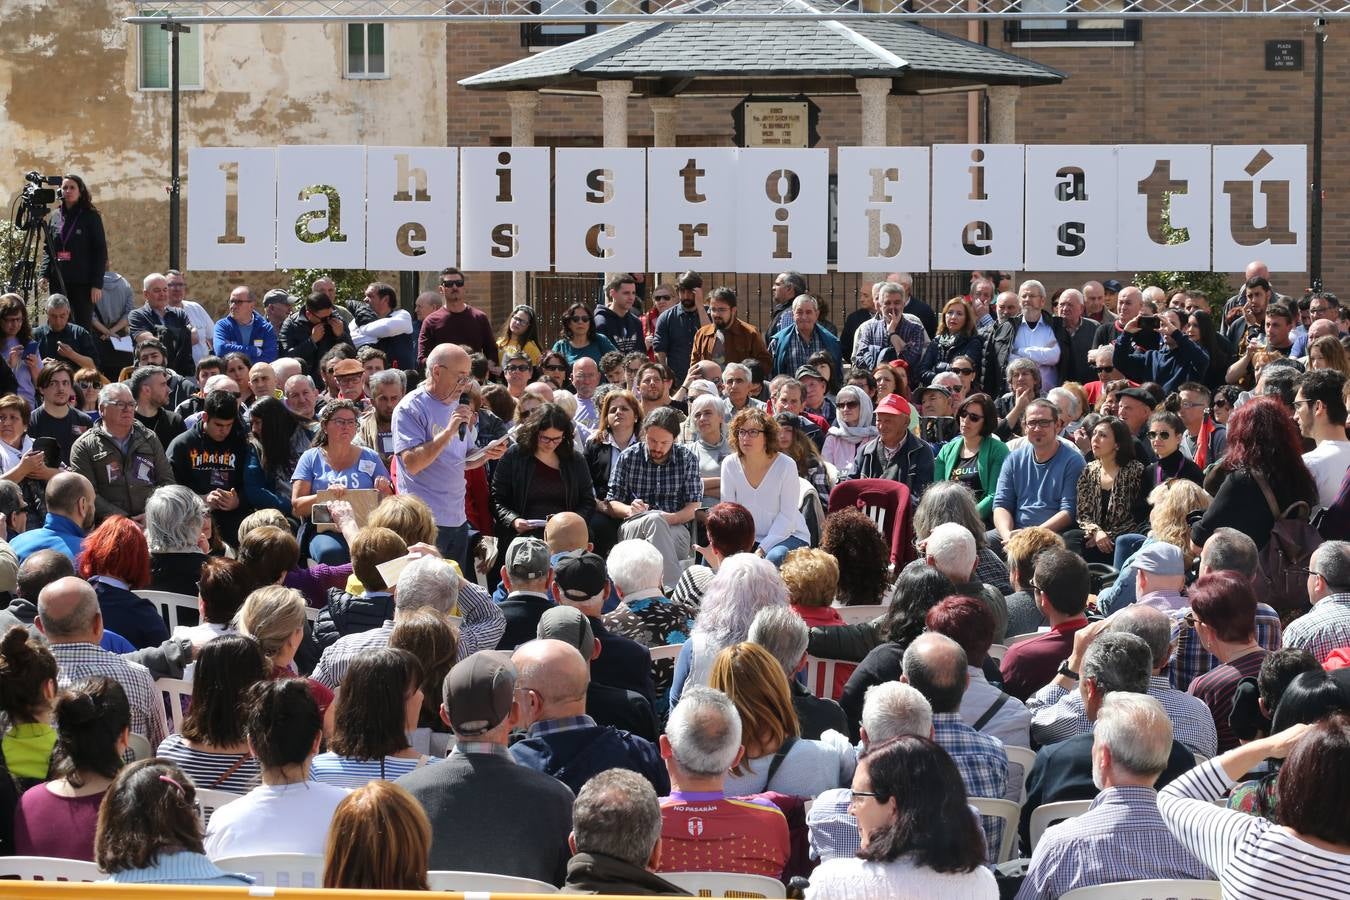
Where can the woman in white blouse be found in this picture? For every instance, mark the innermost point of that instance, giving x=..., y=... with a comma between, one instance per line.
x=765, y=482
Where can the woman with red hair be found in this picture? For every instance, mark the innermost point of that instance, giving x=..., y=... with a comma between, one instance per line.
x=1265, y=451
x=116, y=560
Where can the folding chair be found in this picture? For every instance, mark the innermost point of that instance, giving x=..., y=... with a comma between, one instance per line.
x=179, y=694
x=856, y=615
x=726, y=884
x=886, y=503
x=1009, y=812
x=46, y=868
x=177, y=609
x=298, y=870
x=1047, y=814
x=210, y=800
x=1024, y=757
x=1152, y=889
x=483, y=881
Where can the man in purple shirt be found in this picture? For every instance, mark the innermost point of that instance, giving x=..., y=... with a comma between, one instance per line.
x=433, y=440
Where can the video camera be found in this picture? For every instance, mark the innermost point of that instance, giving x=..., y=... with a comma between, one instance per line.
x=35, y=200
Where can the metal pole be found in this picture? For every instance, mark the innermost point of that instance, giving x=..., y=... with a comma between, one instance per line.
x=1315, y=225
x=175, y=185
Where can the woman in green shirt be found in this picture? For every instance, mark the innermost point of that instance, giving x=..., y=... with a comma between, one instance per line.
x=27, y=688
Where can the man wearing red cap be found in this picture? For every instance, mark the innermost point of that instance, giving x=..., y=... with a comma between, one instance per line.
x=895, y=453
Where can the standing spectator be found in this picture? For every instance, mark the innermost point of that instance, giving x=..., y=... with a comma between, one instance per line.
x=918, y=838
x=432, y=443
x=150, y=830
x=616, y=320
x=890, y=335
x=212, y=748
x=456, y=322
x=520, y=337
x=57, y=418
x=678, y=325
x=168, y=325
x=579, y=337
x=202, y=325
x=120, y=457
x=956, y=337
x=245, y=331
x=1031, y=335
x=1320, y=411
x=313, y=330
x=701, y=828
x=116, y=561
x=1326, y=627
x=793, y=346
x=111, y=315
x=481, y=704
x=379, y=840
x=76, y=252
x=69, y=617
x=726, y=338
x=150, y=388
x=58, y=818
x=392, y=331
x=1121, y=837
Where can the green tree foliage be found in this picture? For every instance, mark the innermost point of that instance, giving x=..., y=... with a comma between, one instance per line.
x=1214, y=284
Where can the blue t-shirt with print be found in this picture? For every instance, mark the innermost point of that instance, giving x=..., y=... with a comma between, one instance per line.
x=315, y=468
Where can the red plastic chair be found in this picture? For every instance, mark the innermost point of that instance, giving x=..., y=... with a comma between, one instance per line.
x=886, y=503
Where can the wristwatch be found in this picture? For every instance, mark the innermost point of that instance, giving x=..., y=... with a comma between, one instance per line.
x=1066, y=671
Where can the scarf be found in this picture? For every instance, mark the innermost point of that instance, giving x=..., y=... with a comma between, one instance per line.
x=854, y=434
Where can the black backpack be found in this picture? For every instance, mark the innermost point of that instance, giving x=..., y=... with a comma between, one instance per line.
x=1283, y=570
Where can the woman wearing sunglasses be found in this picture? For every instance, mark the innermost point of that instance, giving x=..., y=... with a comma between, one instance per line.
x=520, y=334
x=975, y=456
x=579, y=337
x=852, y=427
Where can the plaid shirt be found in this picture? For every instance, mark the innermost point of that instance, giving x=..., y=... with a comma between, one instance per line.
x=874, y=339
x=668, y=487
x=1120, y=838
x=1058, y=715
x=81, y=660
x=1324, y=628
x=798, y=351
x=1190, y=659
x=483, y=748
x=481, y=627
x=983, y=766
x=558, y=726
x=833, y=830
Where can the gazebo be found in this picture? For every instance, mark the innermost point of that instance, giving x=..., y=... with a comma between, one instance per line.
x=662, y=61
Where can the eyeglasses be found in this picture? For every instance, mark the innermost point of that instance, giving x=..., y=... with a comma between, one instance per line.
x=554, y=367
x=963, y=371
x=1297, y=401
x=453, y=284
x=578, y=318
x=744, y=433
x=1159, y=435
x=1106, y=368
x=1192, y=405
x=847, y=404
x=123, y=405
x=549, y=440
x=240, y=302
x=1039, y=423
x=974, y=416
x=660, y=297
x=856, y=795
x=1220, y=403
x=344, y=422
x=517, y=368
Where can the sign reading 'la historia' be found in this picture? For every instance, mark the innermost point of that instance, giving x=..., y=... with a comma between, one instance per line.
x=719, y=209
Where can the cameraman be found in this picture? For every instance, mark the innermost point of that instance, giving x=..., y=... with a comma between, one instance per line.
x=312, y=331
x=75, y=241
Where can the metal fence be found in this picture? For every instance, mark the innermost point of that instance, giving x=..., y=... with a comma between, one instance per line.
x=839, y=293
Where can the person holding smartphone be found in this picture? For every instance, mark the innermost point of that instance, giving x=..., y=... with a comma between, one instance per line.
x=18, y=346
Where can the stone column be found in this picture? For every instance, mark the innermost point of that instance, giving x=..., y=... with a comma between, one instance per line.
x=664, y=111
x=1003, y=114
x=524, y=105
x=894, y=129
x=614, y=111
x=874, y=92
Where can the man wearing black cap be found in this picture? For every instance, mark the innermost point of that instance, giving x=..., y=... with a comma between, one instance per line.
x=276, y=307
x=487, y=813
x=582, y=582
x=526, y=577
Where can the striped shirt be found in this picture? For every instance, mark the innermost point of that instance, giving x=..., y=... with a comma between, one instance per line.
x=1254, y=858
x=346, y=772
x=1322, y=629
x=1190, y=659
x=80, y=660
x=208, y=769
x=1058, y=715
x=1217, y=686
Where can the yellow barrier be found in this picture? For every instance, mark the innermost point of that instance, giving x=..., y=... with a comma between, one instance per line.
x=68, y=890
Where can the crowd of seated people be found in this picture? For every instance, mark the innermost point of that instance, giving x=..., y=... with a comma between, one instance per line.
x=432, y=595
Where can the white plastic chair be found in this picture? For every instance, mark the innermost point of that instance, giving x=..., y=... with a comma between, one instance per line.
x=483, y=881
x=1009, y=812
x=298, y=870
x=1024, y=757
x=211, y=800
x=1152, y=889
x=46, y=868
x=820, y=676
x=312, y=614
x=856, y=615
x=171, y=605
x=726, y=884
x=1047, y=814
x=139, y=746
x=668, y=651
x=179, y=693
x=996, y=652
x=1019, y=638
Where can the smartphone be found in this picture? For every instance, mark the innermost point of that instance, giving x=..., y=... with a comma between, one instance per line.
x=31, y=349
x=1149, y=323
x=51, y=451
x=321, y=515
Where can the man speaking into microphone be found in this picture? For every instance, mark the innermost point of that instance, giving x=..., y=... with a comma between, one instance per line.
x=433, y=440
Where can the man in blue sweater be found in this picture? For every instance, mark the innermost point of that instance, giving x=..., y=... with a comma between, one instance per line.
x=1165, y=355
x=1038, y=484
x=244, y=331
x=70, y=513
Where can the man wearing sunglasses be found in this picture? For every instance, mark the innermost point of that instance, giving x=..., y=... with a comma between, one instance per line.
x=313, y=330
x=456, y=322
x=1102, y=362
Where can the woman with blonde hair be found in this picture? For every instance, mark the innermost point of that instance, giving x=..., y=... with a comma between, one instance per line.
x=1327, y=352
x=407, y=516
x=956, y=336
x=379, y=840
x=812, y=579
x=274, y=616
x=776, y=757
x=764, y=480
x=1171, y=503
